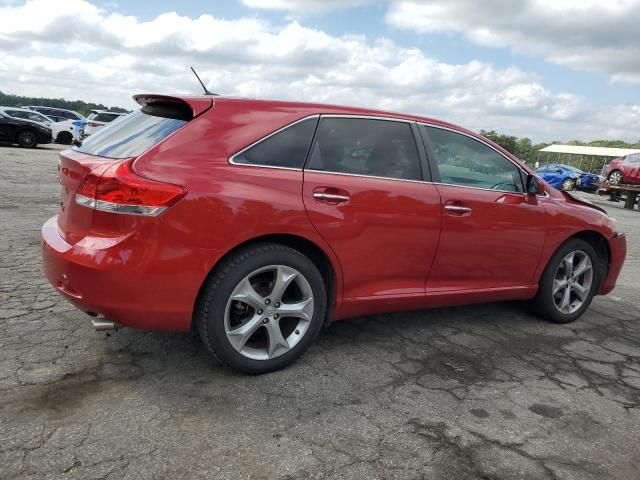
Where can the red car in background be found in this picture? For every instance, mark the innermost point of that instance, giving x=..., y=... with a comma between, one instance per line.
x=257, y=222
x=624, y=169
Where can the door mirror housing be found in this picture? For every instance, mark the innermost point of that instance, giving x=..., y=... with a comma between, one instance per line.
x=534, y=185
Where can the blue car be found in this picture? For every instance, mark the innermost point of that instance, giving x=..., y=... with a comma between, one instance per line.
x=565, y=177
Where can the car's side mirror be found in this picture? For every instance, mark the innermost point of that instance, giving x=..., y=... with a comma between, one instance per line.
x=534, y=185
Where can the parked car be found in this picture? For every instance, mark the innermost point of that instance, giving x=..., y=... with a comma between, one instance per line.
x=256, y=222
x=98, y=119
x=71, y=117
x=566, y=177
x=62, y=132
x=57, y=114
x=24, y=133
x=624, y=169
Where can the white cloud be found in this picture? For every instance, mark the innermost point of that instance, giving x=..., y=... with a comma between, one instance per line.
x=303, y=6
x=72, y=49
x=594, y=35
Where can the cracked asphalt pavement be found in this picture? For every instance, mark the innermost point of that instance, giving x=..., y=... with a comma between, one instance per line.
x=478, y=392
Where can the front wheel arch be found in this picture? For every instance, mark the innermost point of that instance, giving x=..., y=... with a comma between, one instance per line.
x=599, y=243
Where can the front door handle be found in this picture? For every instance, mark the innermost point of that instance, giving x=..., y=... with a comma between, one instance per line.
x=330, y=197
x=457, y=209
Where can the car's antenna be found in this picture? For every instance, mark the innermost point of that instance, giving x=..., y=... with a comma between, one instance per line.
x=206, y=92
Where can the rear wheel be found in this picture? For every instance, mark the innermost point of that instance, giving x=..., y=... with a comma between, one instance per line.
x=568, y=184
x=27, y=139
x=262, y=308
x=615, y=177
x=569, y=282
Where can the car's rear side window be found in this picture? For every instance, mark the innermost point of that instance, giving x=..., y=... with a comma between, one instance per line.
x=358, y=146
x=135, y=133
x=285, y=148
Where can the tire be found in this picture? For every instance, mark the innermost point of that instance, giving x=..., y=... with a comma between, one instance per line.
x=27, y=139
x=65, y=138
x=568, y=184
x=547, y=303
x=219, y=317
x=615, y=177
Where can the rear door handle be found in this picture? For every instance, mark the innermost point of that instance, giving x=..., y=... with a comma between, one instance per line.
x=330, y=197
x=457, y=209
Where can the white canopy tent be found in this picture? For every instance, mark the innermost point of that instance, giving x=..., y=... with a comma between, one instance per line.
x=589, y=159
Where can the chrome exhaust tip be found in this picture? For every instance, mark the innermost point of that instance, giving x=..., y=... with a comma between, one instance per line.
x=103, y=325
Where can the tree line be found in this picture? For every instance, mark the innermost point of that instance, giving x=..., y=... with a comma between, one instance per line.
x=525, y=150
x=84, y=108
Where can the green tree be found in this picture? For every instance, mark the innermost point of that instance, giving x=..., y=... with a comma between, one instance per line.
x=508, y=142
x=7, y=100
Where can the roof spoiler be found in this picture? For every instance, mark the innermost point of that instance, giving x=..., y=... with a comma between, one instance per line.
x=196, y=105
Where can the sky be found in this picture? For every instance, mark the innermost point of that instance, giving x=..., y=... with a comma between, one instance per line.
x=544, y=69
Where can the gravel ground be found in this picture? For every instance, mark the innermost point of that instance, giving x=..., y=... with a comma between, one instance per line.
x=486, y=392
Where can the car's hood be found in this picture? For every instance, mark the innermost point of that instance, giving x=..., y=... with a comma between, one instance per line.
x=573, y=198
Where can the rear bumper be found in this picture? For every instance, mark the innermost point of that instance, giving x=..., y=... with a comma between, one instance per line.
x=135, y=283
x=618, y=246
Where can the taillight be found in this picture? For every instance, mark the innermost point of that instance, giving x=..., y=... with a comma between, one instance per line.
x=93, y=124
x=116, y=188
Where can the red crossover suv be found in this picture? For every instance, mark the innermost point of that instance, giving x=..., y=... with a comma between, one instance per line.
x=624, y=169
x=257, y=222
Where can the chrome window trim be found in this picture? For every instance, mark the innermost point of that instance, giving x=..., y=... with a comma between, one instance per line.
x=479, y=140
x=366, y=117
x=367, y=176
x=480, y=188
x=232, y=161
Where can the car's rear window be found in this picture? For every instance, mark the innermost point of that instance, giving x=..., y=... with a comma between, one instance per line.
x=135, y=133
x=103, y=117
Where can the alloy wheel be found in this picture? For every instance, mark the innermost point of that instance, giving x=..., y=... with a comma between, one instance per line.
x=572, y=282
x=615, y=178
x=27, y=139
x=268, y=312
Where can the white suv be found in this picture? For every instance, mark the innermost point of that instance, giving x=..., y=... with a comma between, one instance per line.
x=98, y=119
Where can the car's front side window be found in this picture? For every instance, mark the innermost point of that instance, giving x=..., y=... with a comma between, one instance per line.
x=464, y=161
x=371, y=147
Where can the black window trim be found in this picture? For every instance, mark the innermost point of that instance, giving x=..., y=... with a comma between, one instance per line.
x=436, y=172
x=422, y=156
x=232, y=158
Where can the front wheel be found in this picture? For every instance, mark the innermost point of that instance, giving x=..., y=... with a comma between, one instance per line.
x=65, y=138
x=568, y=184
x=262, y=308
x=568, y=283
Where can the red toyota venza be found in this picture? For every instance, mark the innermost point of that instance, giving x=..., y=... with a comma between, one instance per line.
x=258, y=222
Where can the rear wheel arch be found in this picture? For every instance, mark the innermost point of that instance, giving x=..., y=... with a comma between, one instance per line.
x=303, y=245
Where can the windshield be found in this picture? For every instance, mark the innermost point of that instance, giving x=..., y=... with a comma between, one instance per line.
x=130, y=136
x=33, y=116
